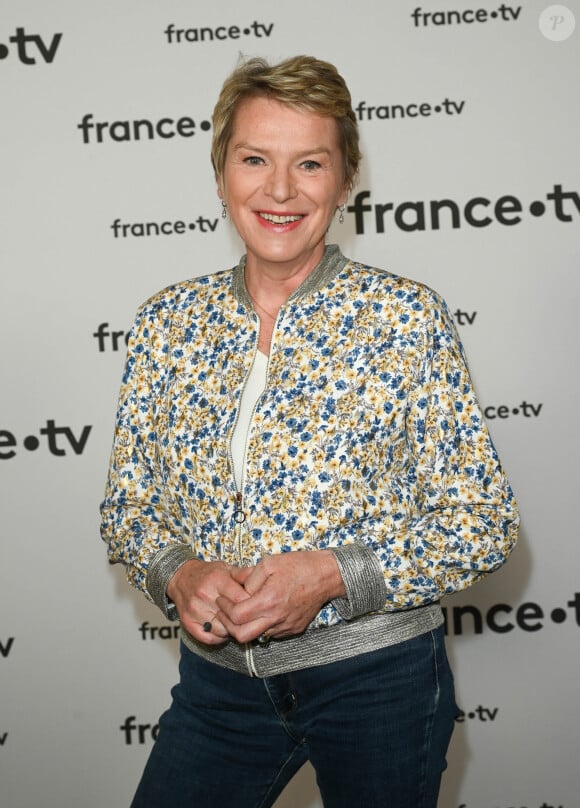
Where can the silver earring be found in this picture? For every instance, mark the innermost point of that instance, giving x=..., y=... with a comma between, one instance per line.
x=224, y=210
x=341, y=217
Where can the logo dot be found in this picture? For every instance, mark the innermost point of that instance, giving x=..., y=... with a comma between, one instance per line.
x=205, y=125
x=437, y=109
x=558, y=615
x=31, y=443
x=537, y=208
x=515, y=411
x=191, y=226
x=3, y=51
x=247, y=31
x=493, y=14
x=471, y=715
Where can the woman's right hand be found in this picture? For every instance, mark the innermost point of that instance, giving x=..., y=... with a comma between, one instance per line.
x=195, y=588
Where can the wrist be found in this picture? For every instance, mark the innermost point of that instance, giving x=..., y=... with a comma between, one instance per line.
x=173, y=585
x=331, y=575
x=162, y=569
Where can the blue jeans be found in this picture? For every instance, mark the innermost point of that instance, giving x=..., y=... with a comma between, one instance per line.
x=375, y=728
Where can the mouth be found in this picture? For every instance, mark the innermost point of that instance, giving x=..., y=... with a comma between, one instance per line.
x=280, y=218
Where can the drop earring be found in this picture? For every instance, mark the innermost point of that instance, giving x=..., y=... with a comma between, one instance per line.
x=224, y=210
x=341, y=217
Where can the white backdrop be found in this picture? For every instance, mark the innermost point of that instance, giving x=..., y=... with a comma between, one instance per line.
x=478, y=106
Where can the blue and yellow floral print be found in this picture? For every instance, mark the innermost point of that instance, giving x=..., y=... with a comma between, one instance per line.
x=368, y=433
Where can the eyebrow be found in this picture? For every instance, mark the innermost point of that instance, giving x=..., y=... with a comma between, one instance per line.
x=264, y=149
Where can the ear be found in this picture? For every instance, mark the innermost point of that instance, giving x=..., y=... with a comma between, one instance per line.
x=220, y=186
x=344, y=196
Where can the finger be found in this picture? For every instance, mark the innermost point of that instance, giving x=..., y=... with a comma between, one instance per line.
x=217, y=629
x=229, y=609
x=248, y=631
x=198, y=606
x=241, y=574
x=247, y=611
x=211, y=632
x=234, y=590
x=253, y=578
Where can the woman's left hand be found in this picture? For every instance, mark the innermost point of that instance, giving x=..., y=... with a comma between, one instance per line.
x=286, y=592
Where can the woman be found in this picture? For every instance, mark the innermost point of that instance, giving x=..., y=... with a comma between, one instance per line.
x=300, y=472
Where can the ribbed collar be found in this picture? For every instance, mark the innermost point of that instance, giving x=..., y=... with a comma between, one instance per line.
x=332, y=262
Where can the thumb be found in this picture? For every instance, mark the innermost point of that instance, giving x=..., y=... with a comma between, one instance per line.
x=241, y=574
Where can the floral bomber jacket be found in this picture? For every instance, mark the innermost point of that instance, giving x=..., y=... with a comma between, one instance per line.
x=367, y=440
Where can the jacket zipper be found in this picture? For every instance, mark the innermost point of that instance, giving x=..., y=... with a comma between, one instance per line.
x=239, y=512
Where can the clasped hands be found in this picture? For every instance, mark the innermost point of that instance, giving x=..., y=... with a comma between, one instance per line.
x=277, y=597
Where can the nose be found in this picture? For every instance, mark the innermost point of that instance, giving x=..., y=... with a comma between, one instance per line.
x=281, y=184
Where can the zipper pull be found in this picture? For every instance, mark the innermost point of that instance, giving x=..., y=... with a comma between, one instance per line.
x=239, y=515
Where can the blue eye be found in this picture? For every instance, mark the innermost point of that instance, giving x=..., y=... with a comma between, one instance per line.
x=253, y=160
x=310, y=165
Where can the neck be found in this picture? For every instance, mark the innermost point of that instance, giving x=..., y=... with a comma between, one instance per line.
x=272, y=283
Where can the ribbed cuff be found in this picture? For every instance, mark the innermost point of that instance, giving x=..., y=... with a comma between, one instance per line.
x=161, y=570
x=363, y=580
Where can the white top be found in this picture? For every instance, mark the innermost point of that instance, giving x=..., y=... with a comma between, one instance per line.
x=252, y=392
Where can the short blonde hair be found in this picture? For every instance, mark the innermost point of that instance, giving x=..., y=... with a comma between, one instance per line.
x=302, y=82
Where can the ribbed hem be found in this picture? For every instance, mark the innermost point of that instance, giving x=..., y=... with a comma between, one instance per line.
x=363, y=579
x=320, y=646
x=161, y=570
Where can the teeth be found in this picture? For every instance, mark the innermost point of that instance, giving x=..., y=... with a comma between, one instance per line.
x=271, y=217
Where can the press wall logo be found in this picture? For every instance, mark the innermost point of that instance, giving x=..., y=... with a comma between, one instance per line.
x=32, y=48
x=416, y=109
x=59, y=440
x=464, y=317
x=504, y=13
x=178, y=227
x=176, y=36
x=171, y=631
x=479, y=211
x=479, y=713
x=94, y=131
x=110, y=338
x=503, y=618
x=5, y=649
x=524, y=409
x=137, y=732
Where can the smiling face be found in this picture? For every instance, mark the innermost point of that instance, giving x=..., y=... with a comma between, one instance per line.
x=282, y=182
